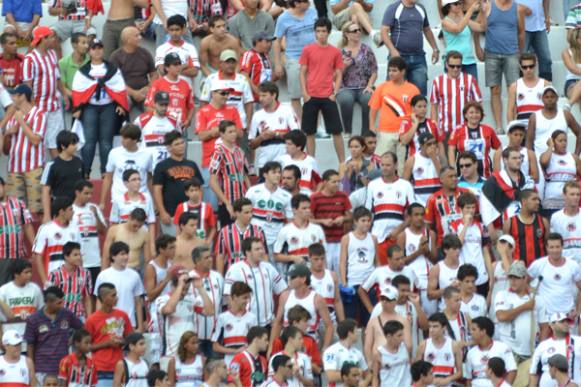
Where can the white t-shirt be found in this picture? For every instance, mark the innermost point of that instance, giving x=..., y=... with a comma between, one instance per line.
x=22, y=301
x=121, y=209
x=570, y=229
x=181, y=320
x=472, y=248
x=336, y=355
x=128, y=285
x=558, y=284
x=475, y=307
x=545, y=350
x=119, y=161
x=296, y=241
x=5, y=99
x=85, y=222
x=99, y=71
x=477, y=360
x=172, y=7
x=382, y=276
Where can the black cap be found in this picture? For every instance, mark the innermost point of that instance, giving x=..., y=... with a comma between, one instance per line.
x=262, y=35
x=172, y=58
x=95, y=43
x=425, y=137
x=23, y=88
x=161, y=97
x=299, y=270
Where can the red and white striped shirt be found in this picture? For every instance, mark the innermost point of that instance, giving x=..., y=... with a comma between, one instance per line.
x=13, y=216
x=428, y=126
x=231, y=168
x=43, y=71
x=49, y=242
x=206, y=217
x=75, y=286
x=451, y=95
x=257, y=66
x=24, y=155
x=230, y=242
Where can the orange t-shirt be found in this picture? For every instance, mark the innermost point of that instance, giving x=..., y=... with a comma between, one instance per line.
x=393, y=103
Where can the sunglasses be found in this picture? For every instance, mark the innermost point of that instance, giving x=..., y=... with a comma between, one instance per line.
x=528, y=67
x=455, y=66
x=354, y=31
x=462, y=166
x=224, y=92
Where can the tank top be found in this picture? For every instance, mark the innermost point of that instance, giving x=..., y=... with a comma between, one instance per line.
x=442, y=358
x=546, y=127
x=160, y=274
x=360, y=259
x=461, y=42
x=459, y=326
x=446, y=277
x=308, y=303
x=14, y=374
x=525, y=166
x=426, y=178
x=569, y=74
x=189, y=374
x=136, y=374
x=502, y=33
x=561, y=169
x=529, y=239
x=325, y=287
x=395, y=367
x=421, y=265
x=528, y=99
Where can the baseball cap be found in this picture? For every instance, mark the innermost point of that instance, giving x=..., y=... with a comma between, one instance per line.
x=40, y=32
x=299, y=270
x=219, y=84
x=517, y=269
x=550, y=88
x=161, y=97
x=517, y=124
x=446, y=2
x=228, y=54
x=11, y=337
x=172, y=58
x=389, y=292
x=559, y=362
x=262, y=35
x=425, y=137
x=508, y=239
x=95, y=43
x=23, y=88
x=556, y=317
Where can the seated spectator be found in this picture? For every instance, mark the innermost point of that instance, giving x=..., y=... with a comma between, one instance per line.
x=99, y=101
x=352, y=11
x=255, y=62
x=70, y=64
x=458, y=28
x=215, y=43
x=72, y=17
x=572, y=60
x=23, y=16
x=359, y=76
x=61, y=174
x=136, y=65
x=107, y=326
x=249, y=22
x=249, y=366
x=47, y=341
x=354, y=171
x=469, y=176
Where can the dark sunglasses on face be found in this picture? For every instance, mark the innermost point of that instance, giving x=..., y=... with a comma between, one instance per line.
x=455, y=66
x=354, y=31
x=528, y=67
x=224, y=92
x=462, y=166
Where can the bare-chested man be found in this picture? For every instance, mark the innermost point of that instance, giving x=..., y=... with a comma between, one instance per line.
x=121, y=14
x=374, y=336
x=212, y=45
x=135, y=235
x=187, y=240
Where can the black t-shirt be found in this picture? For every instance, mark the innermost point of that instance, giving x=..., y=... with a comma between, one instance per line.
x=61, y=176
x=171, y=175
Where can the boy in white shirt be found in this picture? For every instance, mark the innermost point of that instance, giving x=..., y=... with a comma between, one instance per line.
x=473, y=303
x=20, y=297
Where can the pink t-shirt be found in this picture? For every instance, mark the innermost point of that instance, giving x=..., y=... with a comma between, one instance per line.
x=321, y=62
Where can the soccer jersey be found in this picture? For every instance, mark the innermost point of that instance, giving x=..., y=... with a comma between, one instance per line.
x=231, y=167
x=43, y=71
x=120, y=160
x=281, y=121
x=477, y=359
x=239, y=96
x=209, y=117
x=264, y=280
x=425, y=177
x=153, y=130
x=301, y=361
x=24, y=155
x=548, y=348
x=205, y=213
x=85, y=222
x=181, y=97
x=382, y=276
x=231, y=330
x=325, y=287
x=475, y=307
x=528, y=99
x=214, y=285
x=121, y=209
x=330, y=207
x=310, y=177
x=478, y=141
x=13, y=217
x=73, y=374
x=49, y=242
x=387, y=202
x=270, y=210
x=428, y=126
x=293, y=240
x=394, y=367
x=394, y=103
x=251, y=370
x=186, y=51
x=230, y=239
x=442, y=210
x=257, y=66
x=178, y=322
x=471, y=252
x=337, y=355
x=14, y=374
x=569, y=226
x=76, y=286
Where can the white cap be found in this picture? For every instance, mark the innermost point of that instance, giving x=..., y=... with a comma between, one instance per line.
x=446, y=2
x=219, y=84
x=11, y=337
x=389, y=292
x=508, y=239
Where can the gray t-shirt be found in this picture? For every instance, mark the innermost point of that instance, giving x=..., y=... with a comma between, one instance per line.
x=244, y=28
x=406, y=25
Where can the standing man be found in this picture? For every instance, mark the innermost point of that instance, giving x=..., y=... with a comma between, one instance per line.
x=69, y=64
x=404, y=25
x=169, y=177
x=537, y=27
x=524, y=95
x=321, y=76
x=250, y=21
x=41, y=73
x=121, y=14
x=504, y=24
x=392, y=100
x=567, y=221
x=450, y=92
x=296, y=26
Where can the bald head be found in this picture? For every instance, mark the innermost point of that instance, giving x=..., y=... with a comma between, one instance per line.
x=130, y=35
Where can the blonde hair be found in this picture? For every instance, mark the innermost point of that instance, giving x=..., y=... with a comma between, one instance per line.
x=574, y=45
x=182, y=351
x=344, y=30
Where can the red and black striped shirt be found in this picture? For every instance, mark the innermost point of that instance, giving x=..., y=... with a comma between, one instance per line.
x=330, y=207
x=231, y=167
x=230, y=242
x=75, y=286
x=13, y=217
x=530, y=239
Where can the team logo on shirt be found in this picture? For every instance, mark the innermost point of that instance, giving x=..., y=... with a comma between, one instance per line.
x=64, y=324
x=539, y=232
x=557, y=277
x=562, y=162
x=571, y=227
x=430, y=356
x=551, y=350
x=58, y=236
x=420, y=171
x=474, y=308
x=294, y=240
x=228, y=327
x=521, y=96
x=484, y=359
x=329, y=287
x=447, y=356
x=539, y=95
x=379, y=195
x=2, y=372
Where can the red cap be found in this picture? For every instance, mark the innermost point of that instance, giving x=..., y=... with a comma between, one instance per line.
x=39, y=33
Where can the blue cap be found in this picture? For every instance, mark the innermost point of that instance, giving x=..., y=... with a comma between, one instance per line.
x=23, y=88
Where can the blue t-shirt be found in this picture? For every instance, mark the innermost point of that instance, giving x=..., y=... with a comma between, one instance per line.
x=298, y=32
x=22, y=10
x=406, y=26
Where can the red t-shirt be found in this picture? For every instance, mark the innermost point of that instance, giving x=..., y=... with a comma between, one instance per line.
x=442, y=210
x=245, y=365
x=323, y=207
x=102, y=327
x=181, y=98
x=478, y=141
x=311, y=348
x=11, y=70
x=208, y=117
x=321, y=62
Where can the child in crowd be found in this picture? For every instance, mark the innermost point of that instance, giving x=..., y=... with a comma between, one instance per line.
x=77, y=368
x=21, y=297
x=132, y=370
x=206, y=217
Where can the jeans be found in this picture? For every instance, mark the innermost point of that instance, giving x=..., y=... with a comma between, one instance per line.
x=346, y=98
x=99, y=124
x=209, y=195
x=417, y=72
x=538, y=43
x=105, y=379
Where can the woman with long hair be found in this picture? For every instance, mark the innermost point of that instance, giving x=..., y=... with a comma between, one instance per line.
x=572, y=60
x=355, y=169
x=187, y=367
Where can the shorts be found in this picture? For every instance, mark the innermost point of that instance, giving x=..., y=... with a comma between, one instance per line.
x=292, y=69
x=330, y=111
x=333, y=256
x=569, y=83
x=64, y=29
x=55, y=122
x=497, y=64
x=27, y=187
x=341, y=18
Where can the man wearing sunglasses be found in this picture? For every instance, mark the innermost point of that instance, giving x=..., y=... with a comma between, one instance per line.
x=524, y=95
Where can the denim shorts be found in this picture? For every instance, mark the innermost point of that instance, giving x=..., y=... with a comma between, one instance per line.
x=495, y=65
